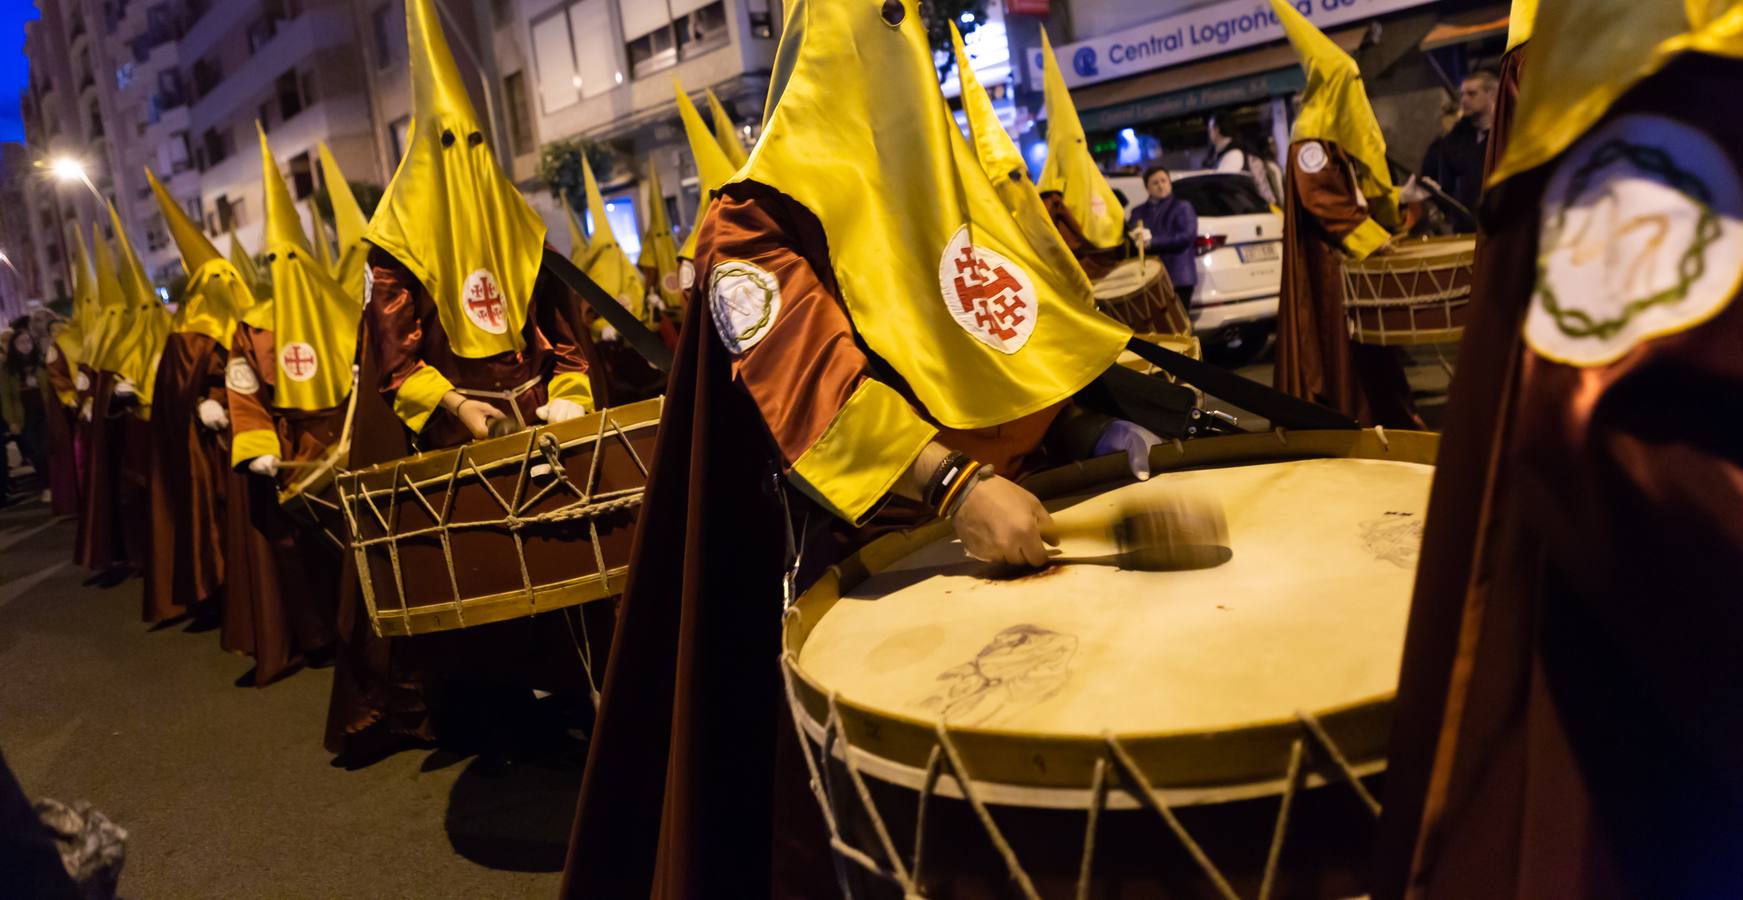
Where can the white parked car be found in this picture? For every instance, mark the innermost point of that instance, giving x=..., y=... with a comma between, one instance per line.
x=1240, y=260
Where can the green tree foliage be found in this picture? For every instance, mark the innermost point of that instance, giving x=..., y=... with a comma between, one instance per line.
x=560, y=166
x=938, y=14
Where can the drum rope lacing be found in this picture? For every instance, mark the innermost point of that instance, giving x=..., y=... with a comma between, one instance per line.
x=589, y=506
x=1116, y=756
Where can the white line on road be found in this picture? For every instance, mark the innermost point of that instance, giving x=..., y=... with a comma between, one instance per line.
x=16, y=588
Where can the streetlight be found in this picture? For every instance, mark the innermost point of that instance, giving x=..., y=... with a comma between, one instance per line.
x=66, y=168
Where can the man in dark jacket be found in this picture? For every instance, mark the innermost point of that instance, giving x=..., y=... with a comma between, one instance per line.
x=1455, y=159
x=1172, y=224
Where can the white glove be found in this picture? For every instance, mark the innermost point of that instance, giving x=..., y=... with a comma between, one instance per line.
x=608, y=334
x=85, y=410
x=656, y=302
x=264, y=465
x=1132, y=439
x=125, y=388
x=1413, y=190
x=81, y=381
x=560, y=410
x=1141, y=236
x=212, y=415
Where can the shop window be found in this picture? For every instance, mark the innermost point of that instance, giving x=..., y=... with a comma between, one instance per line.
x=520, y=127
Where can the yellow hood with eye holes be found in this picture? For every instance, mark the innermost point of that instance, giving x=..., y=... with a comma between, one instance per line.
x=450, y=215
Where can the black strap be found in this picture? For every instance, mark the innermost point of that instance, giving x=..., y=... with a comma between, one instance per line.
x=639, y=336
x=1283, y=410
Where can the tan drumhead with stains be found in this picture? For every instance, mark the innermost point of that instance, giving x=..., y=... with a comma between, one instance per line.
x=1308, y=613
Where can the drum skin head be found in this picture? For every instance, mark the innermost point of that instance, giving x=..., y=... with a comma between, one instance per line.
x=1307, y=615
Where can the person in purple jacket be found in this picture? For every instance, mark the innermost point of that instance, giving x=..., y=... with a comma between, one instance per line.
x=1172, y=226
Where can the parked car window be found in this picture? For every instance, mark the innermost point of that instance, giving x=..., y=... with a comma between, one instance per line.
x=1221, y=195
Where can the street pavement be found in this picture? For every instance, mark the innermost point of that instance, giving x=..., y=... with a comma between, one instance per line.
x=225, y=790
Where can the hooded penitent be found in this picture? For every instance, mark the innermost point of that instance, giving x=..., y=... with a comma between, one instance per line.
x=70, y=339
x=349, y=222
x=135, y=354
x=313, y=320
x=1070, y=170
x=216, y=295
x=450, y=215
x=578, y=248
x=607, y=264
x=1599, y=52
x=659, y=249
x=724, y=133
x=1520, y=22
x=1004, y=165
x=713, y=169
x=319, y=242
x=1335, y=108
x=110, y=320
x=938, y=277
x=244, y=263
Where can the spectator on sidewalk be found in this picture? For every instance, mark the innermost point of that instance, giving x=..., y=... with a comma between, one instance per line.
x=1455, y=159
x=1167, y=226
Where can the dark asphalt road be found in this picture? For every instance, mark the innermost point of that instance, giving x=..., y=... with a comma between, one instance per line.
x=225, y=790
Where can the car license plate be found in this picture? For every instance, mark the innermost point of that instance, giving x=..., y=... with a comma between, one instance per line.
x=1252, y=253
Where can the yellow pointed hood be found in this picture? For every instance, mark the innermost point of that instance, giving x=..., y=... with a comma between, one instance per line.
x=319, y=242
x=314, y=322
x=607, y=264
x=659, y=249
x=1335, y=107
x=936, y=274
x=724, y=133
x=1004, y=166
x=1586, y=55
x=1070, y=169
x=215, y=296
x=244, y=263
x=578, y=246
x=1520, y=21
x=136, y=351
x=349, y=222
x=713, y=169
x=71, y=337
x=111, y=311
x=450, y=215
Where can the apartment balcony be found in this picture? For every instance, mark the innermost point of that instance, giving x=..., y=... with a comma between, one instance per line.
x=221, y=21
x=295, y=41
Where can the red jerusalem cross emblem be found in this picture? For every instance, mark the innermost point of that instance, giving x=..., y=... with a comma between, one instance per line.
x=298, y=361
x=481, y=298
x=988, y=295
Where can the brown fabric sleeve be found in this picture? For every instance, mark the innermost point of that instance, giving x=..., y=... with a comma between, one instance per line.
x=252, y=347
x=801, y=375
x=1330, y=195
x=393, y=324
x=553, y=308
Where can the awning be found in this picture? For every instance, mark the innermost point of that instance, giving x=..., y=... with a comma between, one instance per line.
x=1174, y=104
x=1466, y=27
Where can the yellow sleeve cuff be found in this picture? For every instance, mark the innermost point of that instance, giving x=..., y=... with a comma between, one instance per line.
x=865, y=449
x=68, y=399
x=573, y=386
x=419, y=395
x=249, y=444
x=1368, y=237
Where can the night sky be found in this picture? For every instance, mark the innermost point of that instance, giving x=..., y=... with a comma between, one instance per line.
x=14, y=68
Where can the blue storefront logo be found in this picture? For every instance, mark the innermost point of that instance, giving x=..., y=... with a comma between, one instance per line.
x=1084, y=62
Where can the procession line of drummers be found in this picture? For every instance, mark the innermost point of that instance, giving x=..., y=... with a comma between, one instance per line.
x=1563, y=725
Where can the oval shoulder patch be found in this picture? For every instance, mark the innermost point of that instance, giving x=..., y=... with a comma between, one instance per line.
x=239, y=376
x=744, y=299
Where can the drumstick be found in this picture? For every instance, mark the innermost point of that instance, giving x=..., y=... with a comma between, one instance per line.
x=1170, y=531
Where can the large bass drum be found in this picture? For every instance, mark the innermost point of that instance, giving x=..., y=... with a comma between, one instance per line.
x=1094, y=732
x=501, y=528
x=1414, y=294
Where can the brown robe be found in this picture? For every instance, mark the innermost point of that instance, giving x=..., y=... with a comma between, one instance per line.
x=59, y=423
x=189, y=473
x=102, y=540
x=693, y=787
x=1316, y=360
x=293, y=576
x=1585, y=545
x=1096, y=261
x=383, y=685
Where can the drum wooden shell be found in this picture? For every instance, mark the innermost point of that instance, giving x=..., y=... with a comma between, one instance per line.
x=501, y=528
x=312, y=495
x=1415, y=294
x=1137, y=293
x=1043, y=769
